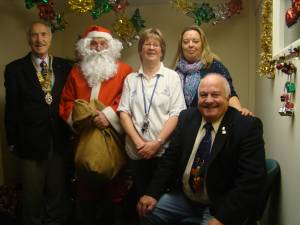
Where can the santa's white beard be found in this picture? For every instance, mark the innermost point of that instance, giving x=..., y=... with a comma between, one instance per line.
x=98, y=66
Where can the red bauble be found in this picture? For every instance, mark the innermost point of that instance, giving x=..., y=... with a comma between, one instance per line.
x=291, y=17
x=46, y=11
x=279, y=66
x=296, y=5
x=235, y=6
x=120, y=5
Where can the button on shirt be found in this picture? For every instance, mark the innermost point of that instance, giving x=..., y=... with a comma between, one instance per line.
x=198, y=197
x=168, y=100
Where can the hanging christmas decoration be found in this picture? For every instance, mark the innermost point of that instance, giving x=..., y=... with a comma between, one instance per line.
x=112, y=2
x=119, y=6
x=205, y=13
x=266, y=64
x=234, y=6
x=31, y=3
x=222, y=12
x=185, y=6
x=101, y=7
x=137, y=21
x=48, y=14
x=124, y=29
x=59, y=23
x=296, y=5
x=81, y=6
x=287, y=106
x=292, y=14
x=46, y=11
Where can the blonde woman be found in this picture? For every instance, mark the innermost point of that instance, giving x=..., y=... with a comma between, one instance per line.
x=194, y=60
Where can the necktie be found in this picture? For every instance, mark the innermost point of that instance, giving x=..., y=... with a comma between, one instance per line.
x=44, y=68
x=200, y=162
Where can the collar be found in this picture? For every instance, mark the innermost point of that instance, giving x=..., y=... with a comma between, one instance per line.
x=215, y=124
x=38, y=60
x=160, y=72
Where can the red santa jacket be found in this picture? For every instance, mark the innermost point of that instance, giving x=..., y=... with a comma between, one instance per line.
x=76, y=87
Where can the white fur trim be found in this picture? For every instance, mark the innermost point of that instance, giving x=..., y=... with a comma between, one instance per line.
x=69, y=120
x=113, y=119
x=95, y=91
x=95, y=34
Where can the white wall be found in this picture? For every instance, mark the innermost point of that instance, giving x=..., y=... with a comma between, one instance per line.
x=281, y=136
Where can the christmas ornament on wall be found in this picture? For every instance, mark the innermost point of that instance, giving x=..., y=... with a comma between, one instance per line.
x=266, y=63
x=292, y=14
x=287, y=106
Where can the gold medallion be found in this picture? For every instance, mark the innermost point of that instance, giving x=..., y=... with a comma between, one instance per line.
x=48, y=98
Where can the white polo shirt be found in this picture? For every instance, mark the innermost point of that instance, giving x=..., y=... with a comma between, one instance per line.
x=168, y=100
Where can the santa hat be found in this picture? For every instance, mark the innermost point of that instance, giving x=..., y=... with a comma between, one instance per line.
x=94, y=31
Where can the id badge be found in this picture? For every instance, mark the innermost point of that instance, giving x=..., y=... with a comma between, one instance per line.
x=145, y=125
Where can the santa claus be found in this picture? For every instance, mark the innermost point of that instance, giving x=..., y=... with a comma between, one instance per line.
x=99, y=74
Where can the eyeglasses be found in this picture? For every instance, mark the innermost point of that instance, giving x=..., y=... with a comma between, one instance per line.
x=149, y=45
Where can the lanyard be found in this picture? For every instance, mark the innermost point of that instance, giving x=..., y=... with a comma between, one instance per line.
x=144, y=96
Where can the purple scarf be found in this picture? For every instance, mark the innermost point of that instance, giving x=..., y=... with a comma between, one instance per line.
x=190, y=77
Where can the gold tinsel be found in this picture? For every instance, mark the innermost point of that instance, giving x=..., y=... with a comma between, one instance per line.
x=124, y=29
x=266, y=64
x=81, y=6
x=182, y=5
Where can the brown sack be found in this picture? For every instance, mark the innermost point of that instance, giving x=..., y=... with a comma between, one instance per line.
x=99, y=153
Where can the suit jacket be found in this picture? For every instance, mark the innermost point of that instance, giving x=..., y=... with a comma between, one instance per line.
x=236, y=169
x=31, y=124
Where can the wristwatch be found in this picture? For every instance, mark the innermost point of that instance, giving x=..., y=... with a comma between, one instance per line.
x=161, y=141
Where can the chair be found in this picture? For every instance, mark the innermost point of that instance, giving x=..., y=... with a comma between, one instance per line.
x=273, y=175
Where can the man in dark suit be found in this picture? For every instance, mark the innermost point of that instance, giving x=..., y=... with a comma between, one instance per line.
x=221, y=186
x=34, y=130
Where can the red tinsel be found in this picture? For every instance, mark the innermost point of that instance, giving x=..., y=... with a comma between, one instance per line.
x=46, y=11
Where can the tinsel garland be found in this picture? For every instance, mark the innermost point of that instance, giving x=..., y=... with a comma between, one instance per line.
x=266, y=64
x=203, y=12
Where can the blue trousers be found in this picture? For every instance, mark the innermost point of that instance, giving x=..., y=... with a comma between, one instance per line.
x=173, y=207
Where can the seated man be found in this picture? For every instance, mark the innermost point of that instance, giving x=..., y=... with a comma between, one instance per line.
x=216, y=158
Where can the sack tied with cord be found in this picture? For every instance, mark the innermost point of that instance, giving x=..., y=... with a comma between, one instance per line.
x=99, y=153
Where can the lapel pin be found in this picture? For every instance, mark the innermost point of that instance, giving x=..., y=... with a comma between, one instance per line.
x=223, y=130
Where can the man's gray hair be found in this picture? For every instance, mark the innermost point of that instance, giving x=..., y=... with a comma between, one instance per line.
x=28, y=32
x=225, y=83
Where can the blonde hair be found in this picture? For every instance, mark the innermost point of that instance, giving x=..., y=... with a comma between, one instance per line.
x=152, y=33
x=207, y=55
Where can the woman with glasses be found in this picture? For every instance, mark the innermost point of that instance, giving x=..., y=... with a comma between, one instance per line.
x=151, y=101
x=194, y=60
